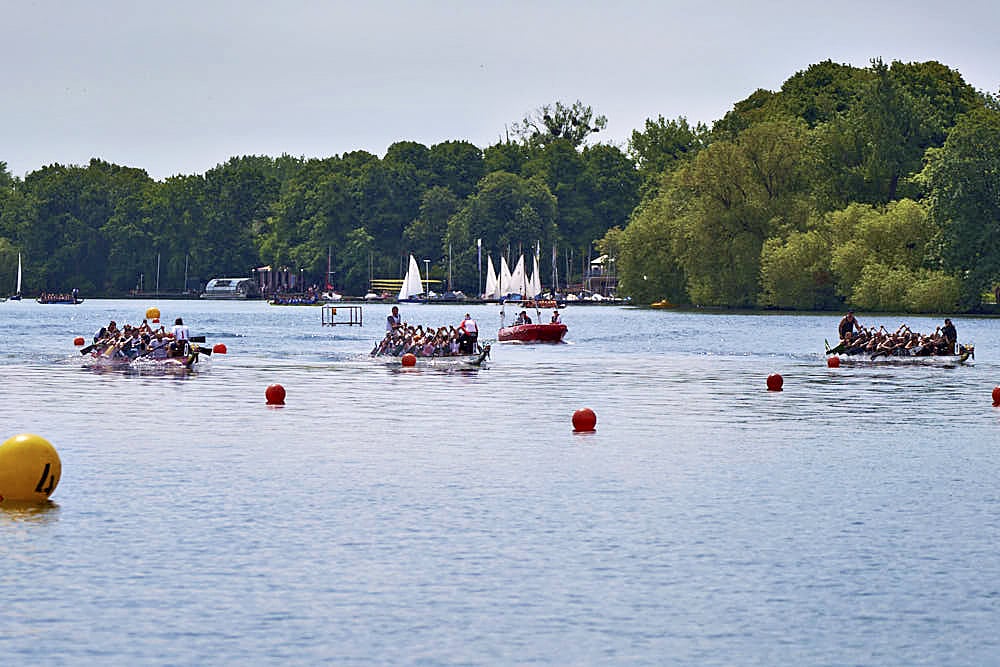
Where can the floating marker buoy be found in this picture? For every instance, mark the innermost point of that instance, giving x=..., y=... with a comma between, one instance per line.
x=996, y=397
x=78, y=341
x=409, y=360
x=219, y=348
x=29, y=469
x=275, y=394
x=774, y=382
x=153, y=314
x=833, y=362
x=584, y=421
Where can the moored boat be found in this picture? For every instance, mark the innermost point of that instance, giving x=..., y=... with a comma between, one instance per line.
x=663, y=303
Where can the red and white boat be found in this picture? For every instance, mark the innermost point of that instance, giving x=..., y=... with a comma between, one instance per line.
x=533, y=333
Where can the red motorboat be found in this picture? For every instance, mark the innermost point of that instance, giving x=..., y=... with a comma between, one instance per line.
x=533, y=333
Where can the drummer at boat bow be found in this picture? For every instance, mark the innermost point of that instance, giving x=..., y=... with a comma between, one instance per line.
x=555, y=317
x=848, y=325
x=393, y=321
x=468, y=335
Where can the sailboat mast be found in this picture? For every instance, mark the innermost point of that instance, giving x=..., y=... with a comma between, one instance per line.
x=555, y=269
x=329, y=280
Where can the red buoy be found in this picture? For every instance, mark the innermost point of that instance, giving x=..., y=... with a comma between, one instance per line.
x=275, y=394
x=409, y=360
x=996, y=397
x=774, y=382
x=833, y=362
x=219, y=348
x=78, y=341
x=584, y=421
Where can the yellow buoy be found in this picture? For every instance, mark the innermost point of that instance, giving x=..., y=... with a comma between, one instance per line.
x=29, y=469
x=152, y=313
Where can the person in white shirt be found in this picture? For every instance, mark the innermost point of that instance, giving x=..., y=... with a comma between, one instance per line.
x=468, y=335
x=181, y=335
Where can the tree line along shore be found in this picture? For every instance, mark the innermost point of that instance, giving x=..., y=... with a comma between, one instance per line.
x=872, y=187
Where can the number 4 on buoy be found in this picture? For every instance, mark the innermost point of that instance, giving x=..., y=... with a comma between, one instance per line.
x=29, y=469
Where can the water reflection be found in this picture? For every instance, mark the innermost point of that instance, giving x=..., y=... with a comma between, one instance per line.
x=15, y=512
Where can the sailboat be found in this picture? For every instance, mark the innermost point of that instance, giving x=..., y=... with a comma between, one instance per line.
x=412, y=286
x=503, y=279
x=16, y=296
x=492, y=283
x=535, y=286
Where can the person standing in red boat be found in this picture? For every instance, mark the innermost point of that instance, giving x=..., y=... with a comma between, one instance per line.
x=555, y=317
x=468, y=332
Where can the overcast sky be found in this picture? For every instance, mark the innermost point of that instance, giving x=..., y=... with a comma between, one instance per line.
x=178, y=87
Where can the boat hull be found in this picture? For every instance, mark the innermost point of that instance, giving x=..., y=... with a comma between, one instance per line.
x=532, y=333
x=894, y=360
x=454, y=361
x=143, y=365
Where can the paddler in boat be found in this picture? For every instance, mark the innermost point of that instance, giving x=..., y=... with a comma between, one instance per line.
x=181, y=334
x=555, y=317
x=848, y=324
x=158, y=345
x=950, y=336
x=468, y=332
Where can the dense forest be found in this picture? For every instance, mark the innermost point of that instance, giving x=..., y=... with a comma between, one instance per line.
x=877, y=187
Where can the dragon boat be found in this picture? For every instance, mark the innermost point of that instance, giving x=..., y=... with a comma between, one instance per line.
x=474, y=360
x=109, y=357
x=965, y=354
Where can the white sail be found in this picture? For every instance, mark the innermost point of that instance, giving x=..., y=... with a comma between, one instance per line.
x=536, y=281
x=504, y=281
x=492, y=287
x=412, y=285
x=18, y=290
x=518, y=283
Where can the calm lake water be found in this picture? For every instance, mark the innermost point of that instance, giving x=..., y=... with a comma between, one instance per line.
x=453, y=518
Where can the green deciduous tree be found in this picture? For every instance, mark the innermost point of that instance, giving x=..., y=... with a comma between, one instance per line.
x=795, y=272
x=557, y=121
x=662, y=145
x=507, y=211
x=649, y=268
x=963, y=179
x=880, y=262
